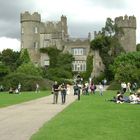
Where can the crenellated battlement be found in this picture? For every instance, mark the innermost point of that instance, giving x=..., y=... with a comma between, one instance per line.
x=126, y=22
x=63, y=17
x=25, y=17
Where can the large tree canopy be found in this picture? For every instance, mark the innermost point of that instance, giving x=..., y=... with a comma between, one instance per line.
x=126, y=67
x=10, y=58
x=29, y=69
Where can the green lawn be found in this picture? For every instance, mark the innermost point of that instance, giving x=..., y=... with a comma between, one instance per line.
x=94, y=118
x=7, y=99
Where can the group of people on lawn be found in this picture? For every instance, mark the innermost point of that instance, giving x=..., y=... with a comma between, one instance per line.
x=17, y=90
x=133, y=98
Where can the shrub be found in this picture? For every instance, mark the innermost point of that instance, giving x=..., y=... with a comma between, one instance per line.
x=28, y=82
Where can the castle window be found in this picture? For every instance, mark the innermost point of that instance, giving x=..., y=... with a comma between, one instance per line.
x=79, y=66
x=36, y=30
x=78, y=51
x=46, y=62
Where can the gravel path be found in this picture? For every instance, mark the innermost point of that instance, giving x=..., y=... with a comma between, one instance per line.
x=19, y=122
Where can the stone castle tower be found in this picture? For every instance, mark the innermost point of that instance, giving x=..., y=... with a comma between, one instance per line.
x=30, y=34
x=36, y=34
x=128, y=38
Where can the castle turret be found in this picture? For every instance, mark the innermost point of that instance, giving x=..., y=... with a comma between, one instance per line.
x=30, y=34
x=64, y=27
x=128, y=25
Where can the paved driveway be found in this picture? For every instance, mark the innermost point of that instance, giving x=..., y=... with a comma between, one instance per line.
x=19, y=122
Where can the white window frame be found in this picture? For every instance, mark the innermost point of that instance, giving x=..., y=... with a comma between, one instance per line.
x=46, y=62
x=77, y=51
x=79, y=66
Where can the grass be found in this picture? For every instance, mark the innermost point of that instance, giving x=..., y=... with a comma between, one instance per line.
x=7, y=99
x=93, y=118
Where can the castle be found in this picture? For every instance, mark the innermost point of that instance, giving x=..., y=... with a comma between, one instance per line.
x=36, y=34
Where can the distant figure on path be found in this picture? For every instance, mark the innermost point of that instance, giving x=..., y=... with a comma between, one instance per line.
x=77, y=89
x=55, y=90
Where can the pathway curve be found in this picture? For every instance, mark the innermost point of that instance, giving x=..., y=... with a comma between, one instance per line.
x=19, y=122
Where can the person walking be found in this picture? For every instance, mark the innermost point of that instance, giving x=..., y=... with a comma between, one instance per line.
x=77, y=89
x=63, y=89
x=55, y=90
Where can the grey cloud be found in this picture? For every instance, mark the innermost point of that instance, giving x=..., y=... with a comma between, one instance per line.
x=112, y=4
x=10, y=16
x=9, y=29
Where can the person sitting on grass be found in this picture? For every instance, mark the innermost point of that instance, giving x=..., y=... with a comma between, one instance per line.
x=119, y=97
x=138, y=96
x=133, y=98
x=16, y=91
x=11, y=90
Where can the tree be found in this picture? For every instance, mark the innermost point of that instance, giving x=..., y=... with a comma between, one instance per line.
x=24, y=56
x=89, y=64
x=108, y=45
x=29, y=69
x=60, y=64
x=109, y=28
x=126, y=67
x=53, y=53
x=9, y=58
x=4, y=70
x=128, y=73
x=138, y=47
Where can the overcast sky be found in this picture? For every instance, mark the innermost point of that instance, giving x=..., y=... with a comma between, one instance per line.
x=83, y=16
